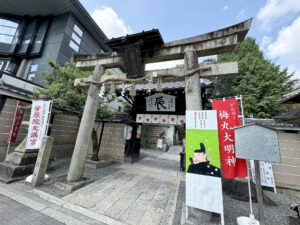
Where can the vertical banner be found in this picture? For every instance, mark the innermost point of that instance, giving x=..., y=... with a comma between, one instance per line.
x=12, y=137
x=203, y=177
x=228, y=118
x=38, y=123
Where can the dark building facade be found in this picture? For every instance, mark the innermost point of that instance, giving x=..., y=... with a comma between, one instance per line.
x=31, y=31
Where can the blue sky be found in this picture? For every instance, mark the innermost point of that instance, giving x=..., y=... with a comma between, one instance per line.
x=276, y=23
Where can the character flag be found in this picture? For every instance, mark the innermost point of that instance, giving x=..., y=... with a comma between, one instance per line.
x=228, y=118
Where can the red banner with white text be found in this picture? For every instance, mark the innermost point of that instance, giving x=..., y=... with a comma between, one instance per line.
x=228, y=118
x=12, y=137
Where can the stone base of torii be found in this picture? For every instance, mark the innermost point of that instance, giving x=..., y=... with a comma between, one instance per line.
x=217, y=42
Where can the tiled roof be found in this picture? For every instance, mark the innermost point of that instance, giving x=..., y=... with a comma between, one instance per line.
x=272, y=123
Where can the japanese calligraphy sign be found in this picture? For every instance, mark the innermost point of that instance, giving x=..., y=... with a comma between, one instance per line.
x=38, y=123
x=266, y=173
x=228, y=112
x=257, y=142
x=17, y=123
x=160, y=102
x=203, y=167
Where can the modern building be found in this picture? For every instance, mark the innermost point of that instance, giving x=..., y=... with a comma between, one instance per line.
x=31, y=31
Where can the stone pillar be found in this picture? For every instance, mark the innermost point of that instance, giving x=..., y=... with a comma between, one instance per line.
x=42, y=161
x=85, y=130
x=193, y=101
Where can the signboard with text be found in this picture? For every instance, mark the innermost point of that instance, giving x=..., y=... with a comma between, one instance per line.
x=12, y=137
x=228, y=118
x=203, y=167
x=38, y=123
x=160, y=102
x=257, y=142
x=266, y=173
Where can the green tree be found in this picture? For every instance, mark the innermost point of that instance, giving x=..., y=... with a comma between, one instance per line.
x=67, y=97
x=261, y=82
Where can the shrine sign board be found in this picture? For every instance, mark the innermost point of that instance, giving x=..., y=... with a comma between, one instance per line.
x=257, y=142
x=160, y=102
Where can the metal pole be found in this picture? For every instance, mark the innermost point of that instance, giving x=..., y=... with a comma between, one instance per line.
x=11, y=129
x=248, y=169
x=259, y=194
x=48, y=120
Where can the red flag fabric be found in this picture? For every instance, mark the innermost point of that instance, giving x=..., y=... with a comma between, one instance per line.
x=16, y=125
x=228, y=118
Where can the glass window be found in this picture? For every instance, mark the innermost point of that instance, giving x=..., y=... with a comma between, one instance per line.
x=8, y=23
x=31, y=76
x=33, y=68
x=7, y=31
x=76, y=38
x=78, y=30
x=74, y=46
x=6, y=39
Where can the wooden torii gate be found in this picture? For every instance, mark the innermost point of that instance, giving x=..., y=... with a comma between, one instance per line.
x=189, y=49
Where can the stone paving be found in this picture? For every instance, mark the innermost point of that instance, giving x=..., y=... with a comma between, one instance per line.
x=13, y=212
x=150, y=191
x=142, y=193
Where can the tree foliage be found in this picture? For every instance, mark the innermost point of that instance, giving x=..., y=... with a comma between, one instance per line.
x=67, y=97
x=261, y=82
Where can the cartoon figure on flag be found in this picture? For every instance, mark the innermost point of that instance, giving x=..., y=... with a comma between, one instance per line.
x=200, y=164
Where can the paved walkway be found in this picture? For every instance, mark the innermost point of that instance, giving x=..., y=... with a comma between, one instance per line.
x=13, y=212
x=151, y=191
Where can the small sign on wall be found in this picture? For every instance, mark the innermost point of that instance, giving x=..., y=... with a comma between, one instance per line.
x=160, y=102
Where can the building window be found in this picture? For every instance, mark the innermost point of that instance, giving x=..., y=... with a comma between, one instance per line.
x=78, y=30
x=74, y=46
x=75, y=38
x=7, y=31
x=32, y=72
x=9, y=66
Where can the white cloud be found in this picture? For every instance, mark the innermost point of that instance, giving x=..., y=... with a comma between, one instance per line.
x=265, y=41
x=111, y=24
x=287, y=47
x=225, y=8
x=241, y=15
x=275, y=9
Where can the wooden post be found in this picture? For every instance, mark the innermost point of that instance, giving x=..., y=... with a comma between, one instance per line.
x=259, y=193
x=85, y=130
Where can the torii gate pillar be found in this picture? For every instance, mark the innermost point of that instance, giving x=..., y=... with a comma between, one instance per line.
x=193, y=101
x=85, y=130
x=192, y=83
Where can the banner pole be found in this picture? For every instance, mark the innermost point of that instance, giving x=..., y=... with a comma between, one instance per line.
x=12, y=125
x=249, y=184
